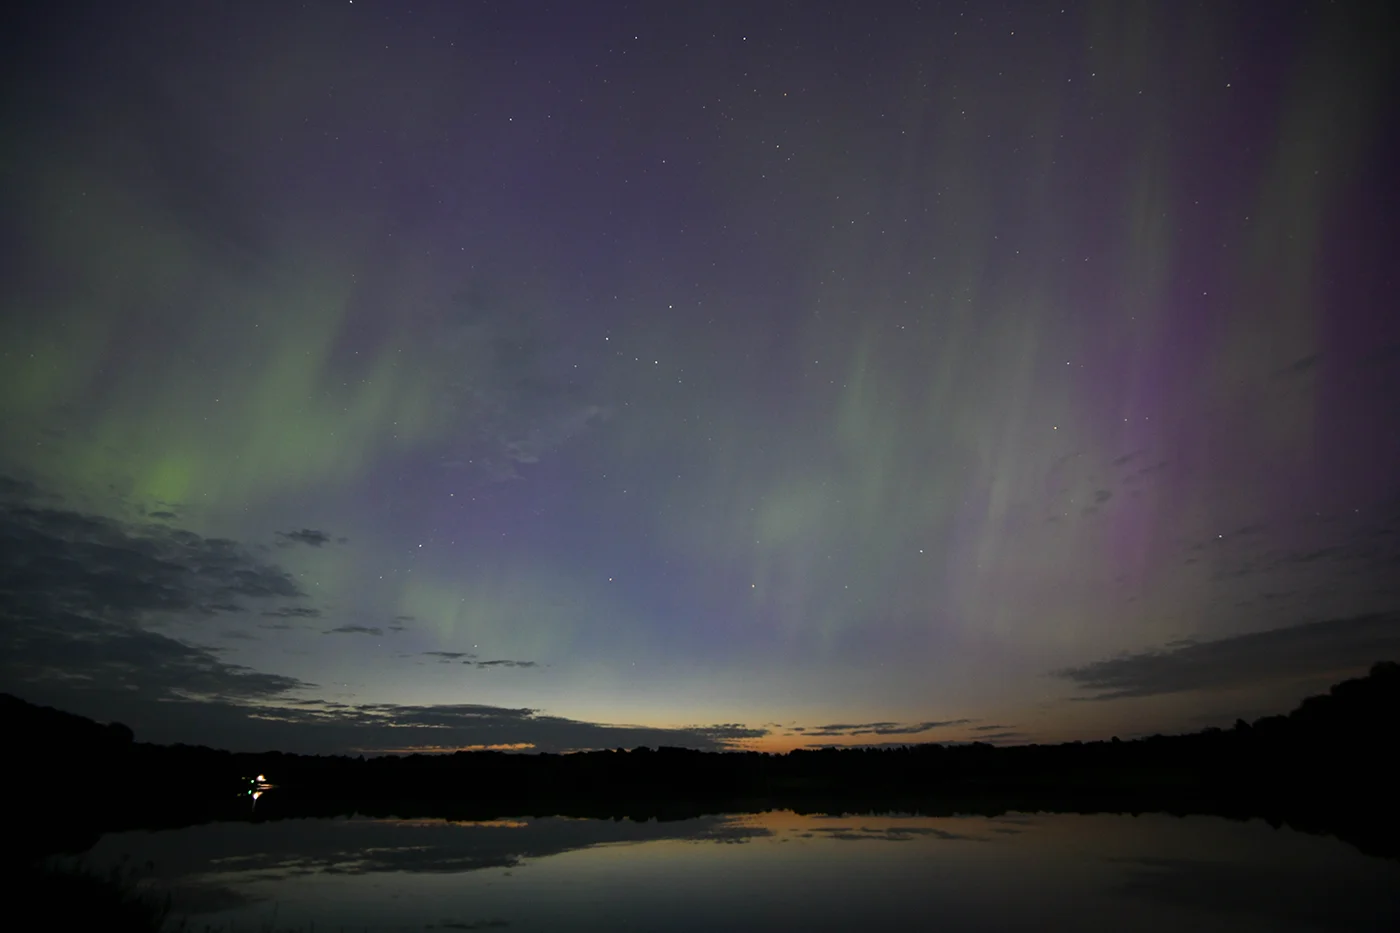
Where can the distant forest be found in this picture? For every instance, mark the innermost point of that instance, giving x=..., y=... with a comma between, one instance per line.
x=1328, y=766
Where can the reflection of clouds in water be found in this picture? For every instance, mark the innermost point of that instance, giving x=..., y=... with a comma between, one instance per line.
x=1158, y=873
x=194, y=897
x=905, y=827
x=1012, y=825
x=732, y=832
x=210, y=867
x=493, y=824
x=896, y=833
x=1350, y=900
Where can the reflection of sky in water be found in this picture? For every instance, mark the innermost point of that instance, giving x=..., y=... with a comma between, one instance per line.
x=769, y=871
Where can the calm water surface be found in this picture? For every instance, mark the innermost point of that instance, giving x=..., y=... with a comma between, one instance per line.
x=766, y=871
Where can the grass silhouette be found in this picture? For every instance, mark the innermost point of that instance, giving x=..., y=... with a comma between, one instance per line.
x=121, y=900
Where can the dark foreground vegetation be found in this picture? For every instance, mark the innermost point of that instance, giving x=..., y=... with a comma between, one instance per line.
x=1330, y=766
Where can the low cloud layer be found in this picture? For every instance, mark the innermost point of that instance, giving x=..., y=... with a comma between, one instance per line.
x=883, y=728
x=1319, y=649
x=80, y=595
x=329, y=727
x=76, y=590
x=68, y=656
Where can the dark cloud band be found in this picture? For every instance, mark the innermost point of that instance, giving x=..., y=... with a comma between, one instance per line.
x=1314, y=650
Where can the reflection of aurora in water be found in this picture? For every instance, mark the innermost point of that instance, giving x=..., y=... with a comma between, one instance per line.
x=767, y=871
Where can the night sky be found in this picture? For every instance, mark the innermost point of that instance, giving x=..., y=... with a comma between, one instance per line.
x=405, y=375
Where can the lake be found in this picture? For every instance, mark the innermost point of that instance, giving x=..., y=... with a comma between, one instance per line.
x=765, y=871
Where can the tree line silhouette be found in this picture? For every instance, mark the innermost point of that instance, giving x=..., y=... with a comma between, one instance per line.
x=1328, y=766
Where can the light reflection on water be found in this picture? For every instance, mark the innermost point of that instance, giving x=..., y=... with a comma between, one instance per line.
x=775, y=870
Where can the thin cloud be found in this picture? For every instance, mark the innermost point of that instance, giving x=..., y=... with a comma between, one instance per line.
x=469, y=658
x=238, y=635
x=354, y=630
x=1317, y=649
x=518, y=399
x=311, y=537
x=293, y=612
x=884, y=728
x=1299, y=366
x=729, y=731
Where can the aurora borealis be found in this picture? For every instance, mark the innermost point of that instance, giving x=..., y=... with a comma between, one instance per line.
x=381, y=376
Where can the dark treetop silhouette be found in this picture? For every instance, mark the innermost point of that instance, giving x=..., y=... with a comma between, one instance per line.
x=1328, y=766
